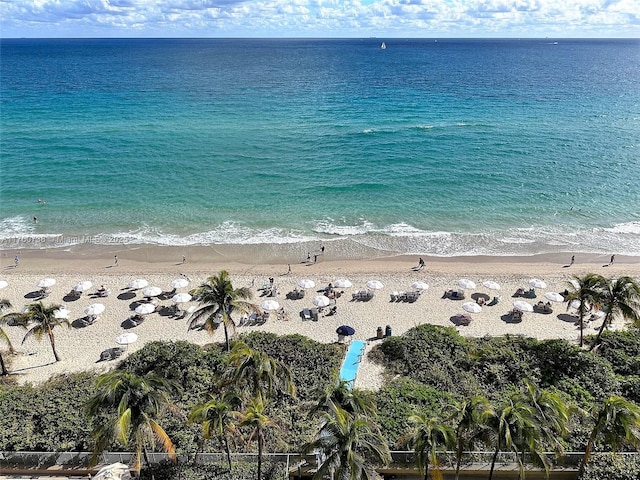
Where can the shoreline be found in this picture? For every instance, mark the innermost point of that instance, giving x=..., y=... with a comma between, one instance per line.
x=80, y=347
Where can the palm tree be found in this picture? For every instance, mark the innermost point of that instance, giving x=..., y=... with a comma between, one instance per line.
x=469, y=419
x=218, y=302
x=429, y=434
x=585, y=290
x=4, y=338
x=133, y=404
x=262, y=374
x=551, y=418
x=508, y=425
x=257, y=421
x=352, y=400
x=619, y=297
x=351, y=444
x=618, y=422
x=216, y=417
x=42, y=320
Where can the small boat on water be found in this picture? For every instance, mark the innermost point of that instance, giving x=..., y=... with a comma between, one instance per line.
x=383, y=46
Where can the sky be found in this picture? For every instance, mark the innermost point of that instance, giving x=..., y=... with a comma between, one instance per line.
x=320, y=18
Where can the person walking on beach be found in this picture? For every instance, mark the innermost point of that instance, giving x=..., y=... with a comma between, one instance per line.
x=420, y=264
x=115, y=260
x=184, y=259
x=573, y=259
x=16, y=261
x=613, y=257
x=315, y=258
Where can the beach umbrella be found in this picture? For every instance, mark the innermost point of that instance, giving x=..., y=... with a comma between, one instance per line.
x=138, y=284
x=3, y=284
x=321, y=301
x=61, y=313
x=151, y=291
x=374, y=285
x=537, y=283
x=466, y=284
x=145, y=309
x=83, y=286
x=554, y=297
x=306, y=283
x=472, y=307
x=491, y=285
x=192, y=309
x=342, y=283
x=179, y=283
x=47, y=282
x=181, y=298
x=345, y=330
x=523, y=306
x=576, y=304
x=270, y=305
x=115, y=471
x=95, y=309
x=126, y=338
x=419, y=286
x=575, y=283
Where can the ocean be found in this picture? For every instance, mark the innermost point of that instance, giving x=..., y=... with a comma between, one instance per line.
x=441, y=147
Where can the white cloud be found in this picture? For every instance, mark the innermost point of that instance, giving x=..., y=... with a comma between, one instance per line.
x=320, y=18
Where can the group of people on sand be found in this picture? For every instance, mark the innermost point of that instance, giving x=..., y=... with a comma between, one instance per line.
x=315, y=256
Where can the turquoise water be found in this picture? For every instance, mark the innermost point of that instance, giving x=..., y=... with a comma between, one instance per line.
x=455, y=147
x=349, y=369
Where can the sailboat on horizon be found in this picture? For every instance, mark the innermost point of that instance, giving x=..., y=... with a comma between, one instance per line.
x=383, y=46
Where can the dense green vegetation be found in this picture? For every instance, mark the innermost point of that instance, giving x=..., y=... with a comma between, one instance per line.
x=264, y=393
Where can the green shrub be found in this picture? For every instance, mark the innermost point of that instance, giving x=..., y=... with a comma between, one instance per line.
x=622, y=350
x=611, y=466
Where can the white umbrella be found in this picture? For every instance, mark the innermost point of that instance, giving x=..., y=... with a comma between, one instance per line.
x=575, y=283
x=270, y=305
x=115, y=471
x=95, y=309
x=472, y=307
x=523, y=306
x=4, y=284
x=179, y=283
x=537, y=283
x=145, y=308
x=61, y=313
x=126, y=338
x=306, y=283
x=342, y=283
x=151, y=291
x=374, y=285
x=192, y=309
x=466, y=284
x=321, y=301
x=181, y=298
x=83, y=286
x=419, y=286
x=47, y=282
x=138, y=284
x=554, y=297
x=491, y=285
x=576, y=304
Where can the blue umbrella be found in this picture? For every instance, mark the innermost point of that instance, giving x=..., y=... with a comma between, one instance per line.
x=345, y=330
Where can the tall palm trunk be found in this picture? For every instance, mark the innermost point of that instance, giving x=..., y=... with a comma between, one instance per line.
x=147, y=462
x=226, y=449
x=260, y=441
x=587, y=453
x=458, y=456
x=607, y=319
x=3, y=367
x=53, y=344
x=493, y=460
x=426, y=470
x=581, y=327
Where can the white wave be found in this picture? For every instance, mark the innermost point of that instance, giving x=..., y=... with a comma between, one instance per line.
x=629, y=227
x=14, y=226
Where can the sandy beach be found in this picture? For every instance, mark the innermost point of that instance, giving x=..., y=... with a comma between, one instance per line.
x=80, y=347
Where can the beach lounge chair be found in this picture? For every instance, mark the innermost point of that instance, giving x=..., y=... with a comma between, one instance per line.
x=305, y=314
x=411, y=296
x=462, y=319
x=314, y=314
x=454, y=294
x=493, y=302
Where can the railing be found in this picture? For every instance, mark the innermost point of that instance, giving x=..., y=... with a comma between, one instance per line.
x=79, y=460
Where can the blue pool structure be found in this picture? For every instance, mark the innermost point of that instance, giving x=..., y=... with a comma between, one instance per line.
x=351, y=362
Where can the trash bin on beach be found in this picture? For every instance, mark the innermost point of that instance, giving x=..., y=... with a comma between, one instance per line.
x=379, y=333
x=387, y=331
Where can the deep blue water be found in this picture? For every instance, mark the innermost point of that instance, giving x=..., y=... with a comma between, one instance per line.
x=441, y=147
